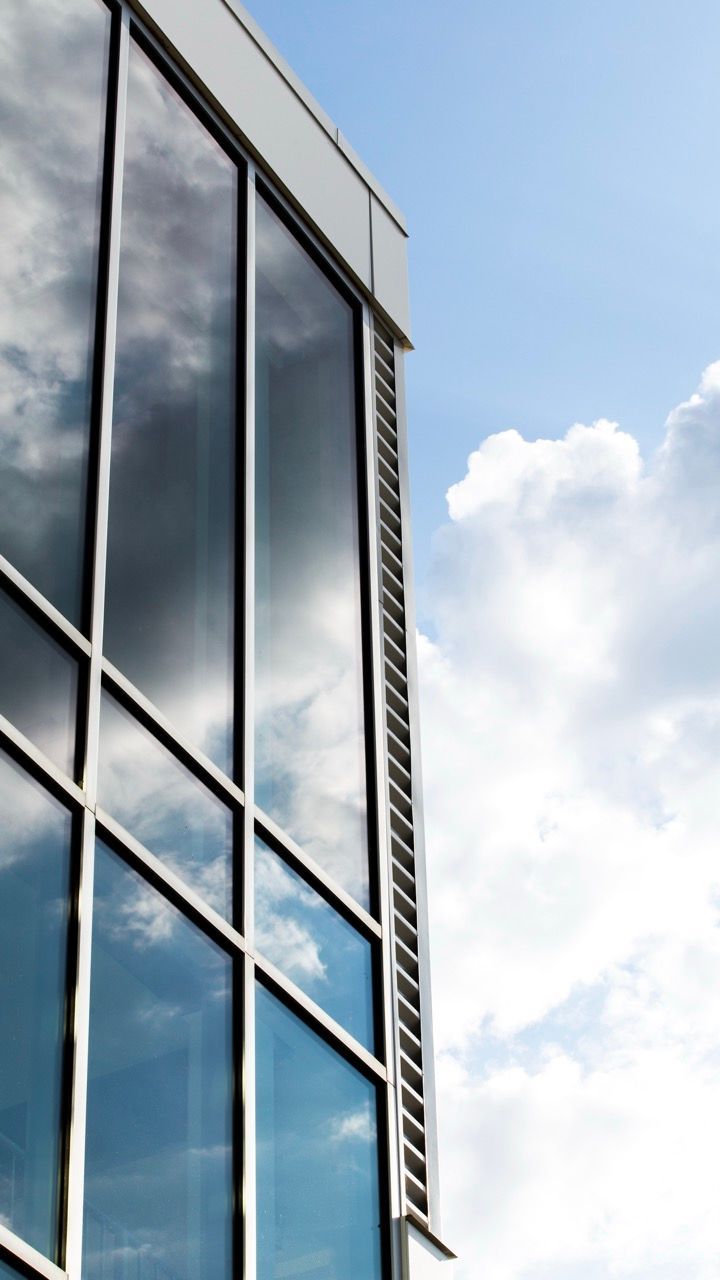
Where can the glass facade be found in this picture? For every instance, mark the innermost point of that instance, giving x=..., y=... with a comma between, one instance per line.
x=310, y=740
x=35, y=857
x=193, y=1074
x=52, y=128
x=318, y=1194
x=158, y=1173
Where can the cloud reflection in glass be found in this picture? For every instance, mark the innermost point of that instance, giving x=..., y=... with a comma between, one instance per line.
x=160, y=802
x=38, y=684
x=169, y=608
x=313, y=944
x=52, y=124
x=317, y=1155
x=158, y=1183
x=34, y=910
x=310, y=740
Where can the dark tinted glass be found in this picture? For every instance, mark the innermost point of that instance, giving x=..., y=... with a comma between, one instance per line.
x=165, y=806
x=310, y=761
x=38, y=684
x=158, y=1182
x=317, y=1174
x=34, y=886
x=9, y=1273
x=169, y=609
x=313, y=944
x=52, y=121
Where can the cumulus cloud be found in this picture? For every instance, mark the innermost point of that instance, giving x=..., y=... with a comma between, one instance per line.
x=571, y=722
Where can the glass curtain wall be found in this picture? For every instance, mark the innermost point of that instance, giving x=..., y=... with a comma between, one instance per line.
x=146, y=1001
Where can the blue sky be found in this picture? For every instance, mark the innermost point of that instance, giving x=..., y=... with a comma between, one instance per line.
x=556, y=161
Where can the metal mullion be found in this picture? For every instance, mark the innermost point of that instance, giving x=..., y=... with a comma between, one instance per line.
x=78, y=1113
x=248, y=1205
x=76, y=1146
x=249, y=1198
x=151, y=717
x=37, y=762
x=302, y=1005
x=106, y=414
x=18, y=1249
x=181, y=893
x=348, y=905
x=42, y=606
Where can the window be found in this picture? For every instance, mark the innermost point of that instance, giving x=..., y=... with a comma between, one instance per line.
x=191, y=1046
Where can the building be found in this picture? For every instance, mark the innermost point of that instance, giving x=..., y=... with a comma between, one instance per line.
x=215, y=1044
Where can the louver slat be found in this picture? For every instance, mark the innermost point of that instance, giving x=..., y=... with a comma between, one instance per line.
x=400, y=808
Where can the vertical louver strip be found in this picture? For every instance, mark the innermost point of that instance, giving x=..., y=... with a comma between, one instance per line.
x=399, y=797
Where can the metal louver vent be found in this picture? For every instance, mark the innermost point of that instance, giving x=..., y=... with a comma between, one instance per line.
x=399, y=754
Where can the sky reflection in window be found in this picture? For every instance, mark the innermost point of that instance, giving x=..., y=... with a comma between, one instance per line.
x=313, y=944
x=310, y=734
x=317, y=1153
x=158, y=1187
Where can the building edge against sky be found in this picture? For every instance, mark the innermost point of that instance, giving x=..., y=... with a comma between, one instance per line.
x=320, y=245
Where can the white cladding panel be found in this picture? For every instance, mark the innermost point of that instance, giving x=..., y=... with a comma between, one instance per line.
x=424, y=1260
x=293, y=140
x=390, y=279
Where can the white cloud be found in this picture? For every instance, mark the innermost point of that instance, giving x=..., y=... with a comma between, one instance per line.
x=571, y=740
x=353, y=1126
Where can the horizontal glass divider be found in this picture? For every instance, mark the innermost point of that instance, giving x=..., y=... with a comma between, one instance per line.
x=281, y=840
x=115, y=682
x=17, y=744
x=204, y=915
x=57, y=620
x=181, y=893
x=27, y=1256
x=338, y=1034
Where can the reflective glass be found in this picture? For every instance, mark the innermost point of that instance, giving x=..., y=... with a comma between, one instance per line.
x=313, y=944
x=165, y=806
x=169, y=607
x=310, y=753
x=38, y=684
x=158, y=1180
x=317, y=1156
x=35, y=835
x=9, y=1273
x=52, y=123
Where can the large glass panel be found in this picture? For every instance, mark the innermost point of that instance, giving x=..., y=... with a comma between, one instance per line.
x=310, y=754
x=317, y=1156
x=169, y=608
x=158, y=1179
x=165, y=806
x=52, y=123
x=35, y=835
x=38, y=684
x=313, y=944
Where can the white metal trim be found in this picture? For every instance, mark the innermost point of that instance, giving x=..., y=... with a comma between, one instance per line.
x=363, y=917
x=319, y=1017
x=30, y=1257
x=41, y=762
x=112, y=677
x=34, y=597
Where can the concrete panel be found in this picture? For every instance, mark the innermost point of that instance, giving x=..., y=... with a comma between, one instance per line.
x=277, y=126
x=389, y=257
